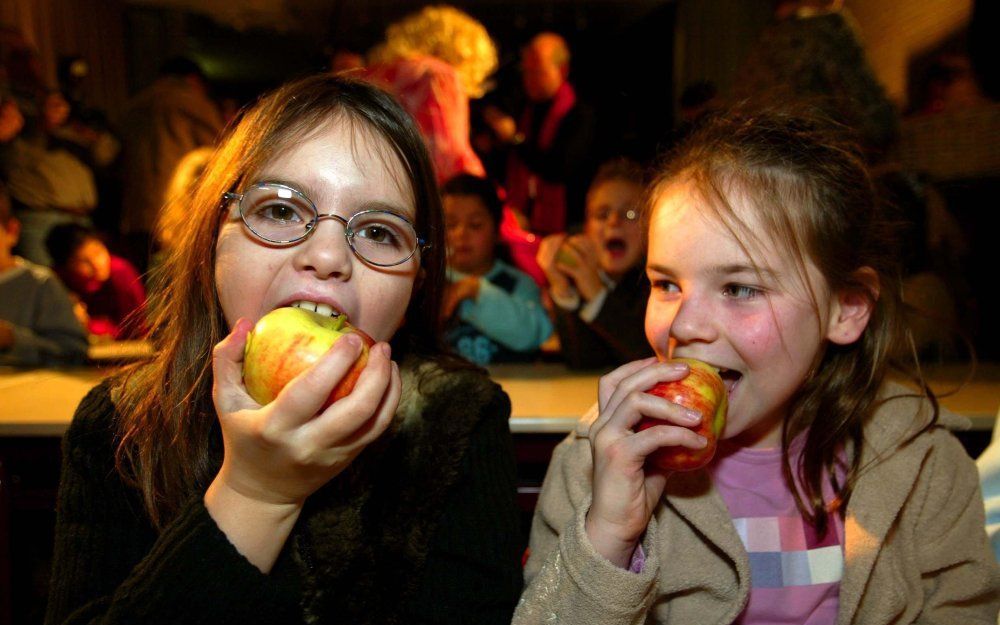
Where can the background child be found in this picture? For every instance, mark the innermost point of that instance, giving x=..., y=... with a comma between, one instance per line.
x=37, y=324
x=596, y=278
x=496, y=310
x=182, y=500
x=835, y=496
x=108, y=286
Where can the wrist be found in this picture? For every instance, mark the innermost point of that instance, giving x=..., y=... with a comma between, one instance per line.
x=258, y=529
x=615, y=549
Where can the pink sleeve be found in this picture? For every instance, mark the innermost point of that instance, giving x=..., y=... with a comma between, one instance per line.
x=638, y=560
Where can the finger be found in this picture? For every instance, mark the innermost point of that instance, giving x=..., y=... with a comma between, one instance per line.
x=609, y=382
x=631, y=381
x=649, y=440
x=227, y=370
x=305, y=395
x=376, y=426
x=645, y=379
x=340, y=424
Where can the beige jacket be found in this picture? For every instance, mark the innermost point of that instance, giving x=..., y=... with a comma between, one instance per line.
x=915, y=547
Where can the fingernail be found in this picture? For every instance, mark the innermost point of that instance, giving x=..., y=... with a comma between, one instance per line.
x=702, y=440
x=679, y=366
x=693, y=415
x=386, y=350
x=354, y=342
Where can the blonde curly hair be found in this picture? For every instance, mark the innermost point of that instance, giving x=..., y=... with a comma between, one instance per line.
x=448, y=34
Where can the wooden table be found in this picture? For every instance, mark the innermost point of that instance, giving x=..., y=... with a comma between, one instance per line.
x=545, y=397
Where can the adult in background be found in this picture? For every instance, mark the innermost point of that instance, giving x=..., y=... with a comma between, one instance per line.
x=433, y=61
x=160, y=125
x=548, y=168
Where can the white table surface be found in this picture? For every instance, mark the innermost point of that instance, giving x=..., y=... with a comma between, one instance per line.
x=545, y=397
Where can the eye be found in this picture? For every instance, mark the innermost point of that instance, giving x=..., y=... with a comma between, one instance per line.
x=665, y=286
x=741, y=291
x=376, y=233
x=278, y=212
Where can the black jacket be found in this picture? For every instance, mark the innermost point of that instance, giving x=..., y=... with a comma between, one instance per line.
x=421, y=528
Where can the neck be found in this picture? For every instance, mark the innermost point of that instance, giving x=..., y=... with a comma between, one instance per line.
x=6, y=261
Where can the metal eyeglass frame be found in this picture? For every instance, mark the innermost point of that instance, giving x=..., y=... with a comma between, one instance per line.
x=230, y=196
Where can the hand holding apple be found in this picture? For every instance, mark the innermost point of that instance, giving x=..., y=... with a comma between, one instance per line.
x=286, y=341
x=701, y=390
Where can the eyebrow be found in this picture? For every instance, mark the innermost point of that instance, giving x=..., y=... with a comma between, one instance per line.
x=726, y=270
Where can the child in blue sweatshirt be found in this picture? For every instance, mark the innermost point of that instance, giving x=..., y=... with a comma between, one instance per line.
x=494, y=311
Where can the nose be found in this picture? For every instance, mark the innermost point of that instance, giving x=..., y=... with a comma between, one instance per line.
x=325, y=253
x=694, y=321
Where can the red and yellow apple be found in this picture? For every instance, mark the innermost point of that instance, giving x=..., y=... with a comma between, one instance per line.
x=701, y=390
x=286, y=341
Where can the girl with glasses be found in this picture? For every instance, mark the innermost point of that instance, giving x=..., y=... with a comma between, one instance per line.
x=184, y=500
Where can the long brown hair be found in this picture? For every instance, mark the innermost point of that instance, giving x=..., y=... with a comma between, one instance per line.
x=809, y=185
x=168, y=442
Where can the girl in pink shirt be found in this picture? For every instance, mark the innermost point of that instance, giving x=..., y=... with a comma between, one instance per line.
x=835, y=495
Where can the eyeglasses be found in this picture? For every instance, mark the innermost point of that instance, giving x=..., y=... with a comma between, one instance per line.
x=279, y=214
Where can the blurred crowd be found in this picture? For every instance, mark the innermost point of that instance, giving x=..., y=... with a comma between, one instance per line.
x=546, y=251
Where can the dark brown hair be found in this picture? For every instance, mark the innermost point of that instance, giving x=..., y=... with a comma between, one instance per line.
x=806, y=180
x=169, y=444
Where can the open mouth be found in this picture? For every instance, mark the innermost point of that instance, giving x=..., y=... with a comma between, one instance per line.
x=730, y=379
x=615, y=246
x=316, y=307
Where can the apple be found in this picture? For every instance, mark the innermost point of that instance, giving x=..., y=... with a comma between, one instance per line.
x=286, y=341
x=565, y=257
x=702, y=390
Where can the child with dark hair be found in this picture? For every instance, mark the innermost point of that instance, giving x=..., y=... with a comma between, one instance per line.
x=108, y=287
x=37, y=325
x=184, y=500
x=496, y=310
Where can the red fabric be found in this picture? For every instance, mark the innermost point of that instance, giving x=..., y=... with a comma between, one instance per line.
x=431, y=92
x=117, y=307
x=523, y=247
x=544, y=202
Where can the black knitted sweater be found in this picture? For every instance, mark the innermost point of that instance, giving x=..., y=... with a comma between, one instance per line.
x=421, y=528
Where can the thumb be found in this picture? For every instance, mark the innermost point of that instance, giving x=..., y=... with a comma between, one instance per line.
x=227, y=370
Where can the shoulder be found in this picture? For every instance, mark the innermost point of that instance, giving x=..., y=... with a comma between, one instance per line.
x=898, y=438
x=39, y=274
x=91, y=433
x=435, y=391
x=122, y=269
x=901, y=413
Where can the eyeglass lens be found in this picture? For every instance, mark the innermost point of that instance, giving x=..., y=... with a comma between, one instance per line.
x=280, y=215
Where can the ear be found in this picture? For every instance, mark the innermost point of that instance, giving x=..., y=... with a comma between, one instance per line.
x=851, y=308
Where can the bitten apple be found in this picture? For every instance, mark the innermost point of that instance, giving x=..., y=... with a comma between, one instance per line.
x=702, y=390
x=286, y=341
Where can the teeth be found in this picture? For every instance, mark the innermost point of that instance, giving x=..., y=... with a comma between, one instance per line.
x=322, y=309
